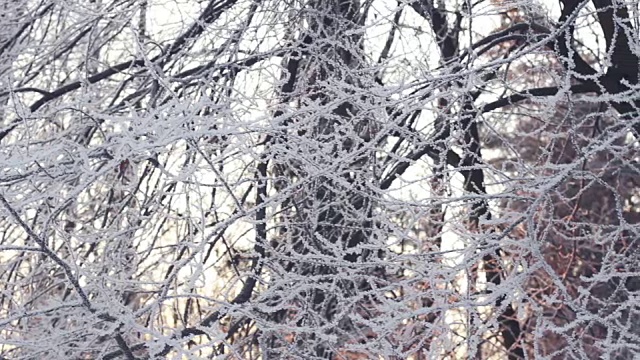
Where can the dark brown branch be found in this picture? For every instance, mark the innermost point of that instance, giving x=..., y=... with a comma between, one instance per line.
x=451, y=157
x=616, y=26
x=91, y=80
x=500, y=35
x=210, y=14
x=564, y=39
x=390, y=38
x=537, y=92
x=447, y=39
x=124, y=347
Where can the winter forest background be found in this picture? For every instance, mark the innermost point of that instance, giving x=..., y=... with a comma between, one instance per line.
x=319, y=179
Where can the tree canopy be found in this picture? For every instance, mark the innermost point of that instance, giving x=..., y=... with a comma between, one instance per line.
x=319, y=179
